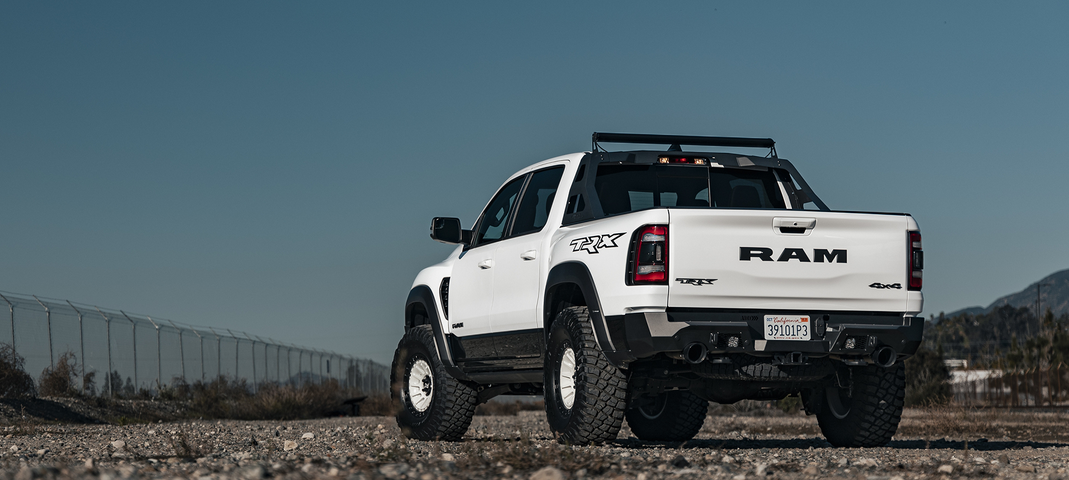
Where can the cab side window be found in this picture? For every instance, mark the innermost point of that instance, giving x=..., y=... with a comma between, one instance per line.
x=533, y=211
x=493, y=221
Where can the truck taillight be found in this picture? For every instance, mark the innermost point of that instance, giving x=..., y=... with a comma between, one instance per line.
x=916, y=261
x=651, y=255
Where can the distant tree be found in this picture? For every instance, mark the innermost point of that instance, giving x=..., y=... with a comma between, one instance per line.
x=980, y=337
x=927, y=379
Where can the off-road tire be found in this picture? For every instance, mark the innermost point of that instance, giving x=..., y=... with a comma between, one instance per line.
x=673, y=417
x=868, y=418
x=600, y=388
x=452, y=403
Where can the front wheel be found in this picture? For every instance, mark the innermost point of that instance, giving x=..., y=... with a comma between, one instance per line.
x=867, y=412
x=669, y=417
x=585, y=394
x=432, y=404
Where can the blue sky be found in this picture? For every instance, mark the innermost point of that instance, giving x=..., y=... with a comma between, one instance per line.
x=273, y=167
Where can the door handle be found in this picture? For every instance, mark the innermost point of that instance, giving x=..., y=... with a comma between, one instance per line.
x=529, y=255
x=485, y=264
x=795, y=222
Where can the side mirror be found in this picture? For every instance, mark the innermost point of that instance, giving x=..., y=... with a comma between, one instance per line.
x=447, y=230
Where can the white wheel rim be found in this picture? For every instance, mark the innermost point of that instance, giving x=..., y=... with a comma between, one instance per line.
x=567, y=378
x=420, y=385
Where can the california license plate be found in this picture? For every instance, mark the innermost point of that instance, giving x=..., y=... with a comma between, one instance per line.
x=787, y=327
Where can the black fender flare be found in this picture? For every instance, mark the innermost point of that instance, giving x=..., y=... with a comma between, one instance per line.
x=577, y=273
x=422, y=295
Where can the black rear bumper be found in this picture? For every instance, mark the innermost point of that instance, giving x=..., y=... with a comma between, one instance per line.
x=643, y=335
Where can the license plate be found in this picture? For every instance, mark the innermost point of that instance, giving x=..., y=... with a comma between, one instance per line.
x=787, y=327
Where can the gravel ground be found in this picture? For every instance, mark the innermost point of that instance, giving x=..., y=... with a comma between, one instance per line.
x=933, y=444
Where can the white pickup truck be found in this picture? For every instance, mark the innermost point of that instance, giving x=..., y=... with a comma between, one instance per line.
x=641, y=285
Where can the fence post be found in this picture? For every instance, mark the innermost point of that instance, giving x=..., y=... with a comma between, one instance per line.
x=1059, y=379
x=81, y=342
x=181, y=350
x=201, y=340
x=289, y=365
x=48, y=318
x=218, y=352
x=133, y=327
x=107, y=325
x=300, y=374
x=265, y=357
x=159, y=357
x=11, y=309
x=253, y=359
x=237, y=350
x=278, y=360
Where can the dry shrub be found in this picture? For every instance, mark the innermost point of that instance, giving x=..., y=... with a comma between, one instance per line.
x=961, y=422
x=62, y=379
x=234, y=399
x=378, y=405
x=218, y=398
x=497, y=408
x=955, y=422
x=927, y=379
x=311, y=400
x=14, y=381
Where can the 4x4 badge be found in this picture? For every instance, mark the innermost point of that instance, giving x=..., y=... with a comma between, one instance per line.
x=697, y=282
x=592, y=243
x=883, y=286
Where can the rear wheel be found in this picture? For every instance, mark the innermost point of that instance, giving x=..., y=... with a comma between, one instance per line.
x=585, y=394
x=432, y=404
x=669, y=417
x=865, y=414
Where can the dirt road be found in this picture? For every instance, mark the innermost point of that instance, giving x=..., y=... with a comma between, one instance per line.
x=931, y=444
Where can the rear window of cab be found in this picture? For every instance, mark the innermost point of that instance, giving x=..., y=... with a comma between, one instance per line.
x=627, y=187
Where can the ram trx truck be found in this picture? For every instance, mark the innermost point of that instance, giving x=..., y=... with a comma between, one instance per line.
x=642, y=285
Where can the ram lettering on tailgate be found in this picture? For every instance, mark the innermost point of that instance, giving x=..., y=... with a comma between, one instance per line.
x=765, y=254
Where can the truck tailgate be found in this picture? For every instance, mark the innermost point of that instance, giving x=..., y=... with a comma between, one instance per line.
x=742, y=259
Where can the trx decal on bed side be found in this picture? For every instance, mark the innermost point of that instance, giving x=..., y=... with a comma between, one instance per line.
x=697, y=282
x=595, y=242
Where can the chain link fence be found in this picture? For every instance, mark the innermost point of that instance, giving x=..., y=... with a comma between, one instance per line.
x=1033, y=387
x=120, y=353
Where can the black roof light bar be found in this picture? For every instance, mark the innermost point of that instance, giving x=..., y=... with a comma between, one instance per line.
x=676, y=140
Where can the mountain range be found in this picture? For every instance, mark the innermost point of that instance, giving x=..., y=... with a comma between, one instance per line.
x=1054, y=295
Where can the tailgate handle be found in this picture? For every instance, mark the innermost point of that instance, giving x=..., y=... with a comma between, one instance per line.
x=793, y=225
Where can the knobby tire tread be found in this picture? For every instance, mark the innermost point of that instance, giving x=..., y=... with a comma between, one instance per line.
x=875, y=410
x=682, y=419
x=601, y=388
x=454, y=402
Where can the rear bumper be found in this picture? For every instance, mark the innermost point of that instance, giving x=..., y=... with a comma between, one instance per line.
x=643, y=335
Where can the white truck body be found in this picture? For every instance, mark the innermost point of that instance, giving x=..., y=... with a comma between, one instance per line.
x=715, y=274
